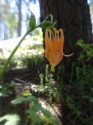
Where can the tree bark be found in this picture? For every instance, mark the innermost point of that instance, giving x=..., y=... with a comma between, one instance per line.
x=71, y=15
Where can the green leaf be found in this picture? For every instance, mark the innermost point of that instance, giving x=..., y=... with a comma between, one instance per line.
x=32, y=99
x=32, y=22
x=35, y=118
x=6, y=90
x=48, y=118
x=19, y=100
x=26, y=94
x=38, y=114
x=46, y=24
x=52, y=69
x=80, y=42
x=11, y=119
x=91, y=100
x=36, y=107
x=46, y=113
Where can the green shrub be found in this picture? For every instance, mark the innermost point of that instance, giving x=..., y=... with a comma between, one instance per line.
x=79, y=93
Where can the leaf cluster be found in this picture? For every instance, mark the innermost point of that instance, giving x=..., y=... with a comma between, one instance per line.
x=35, y=113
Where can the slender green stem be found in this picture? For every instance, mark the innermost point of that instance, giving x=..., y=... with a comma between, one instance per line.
x=12, y=54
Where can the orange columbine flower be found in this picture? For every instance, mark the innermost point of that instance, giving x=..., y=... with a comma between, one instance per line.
x=54, y=43
x=54, y=46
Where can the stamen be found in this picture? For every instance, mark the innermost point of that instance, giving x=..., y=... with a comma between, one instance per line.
x=49, y=34
x=57, y=34
x=54, y=30
x=60, y=34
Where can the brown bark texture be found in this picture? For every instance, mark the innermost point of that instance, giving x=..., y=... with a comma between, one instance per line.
x=74, y=17
x=71, y=15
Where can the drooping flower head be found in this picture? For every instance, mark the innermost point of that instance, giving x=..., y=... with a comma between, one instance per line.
x=54, y=42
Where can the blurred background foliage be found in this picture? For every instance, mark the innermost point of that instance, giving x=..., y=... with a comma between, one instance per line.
x=14, y=17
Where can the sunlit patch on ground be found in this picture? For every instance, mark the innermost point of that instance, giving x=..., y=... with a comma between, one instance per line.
x=30, y=47
x=6, y=46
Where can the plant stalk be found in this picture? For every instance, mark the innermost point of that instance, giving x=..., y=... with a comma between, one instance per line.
x=12, y=54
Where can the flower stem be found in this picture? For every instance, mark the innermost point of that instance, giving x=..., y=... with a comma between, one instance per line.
x=12, y=54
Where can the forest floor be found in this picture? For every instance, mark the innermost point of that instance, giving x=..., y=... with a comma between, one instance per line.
x=24, y=74
x=29, y=70
x=31, y=78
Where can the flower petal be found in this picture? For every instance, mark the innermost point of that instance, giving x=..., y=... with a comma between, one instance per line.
x=54, y=46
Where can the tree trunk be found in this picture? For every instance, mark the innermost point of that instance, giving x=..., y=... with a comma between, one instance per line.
x=71, y=15
x=74, y=17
